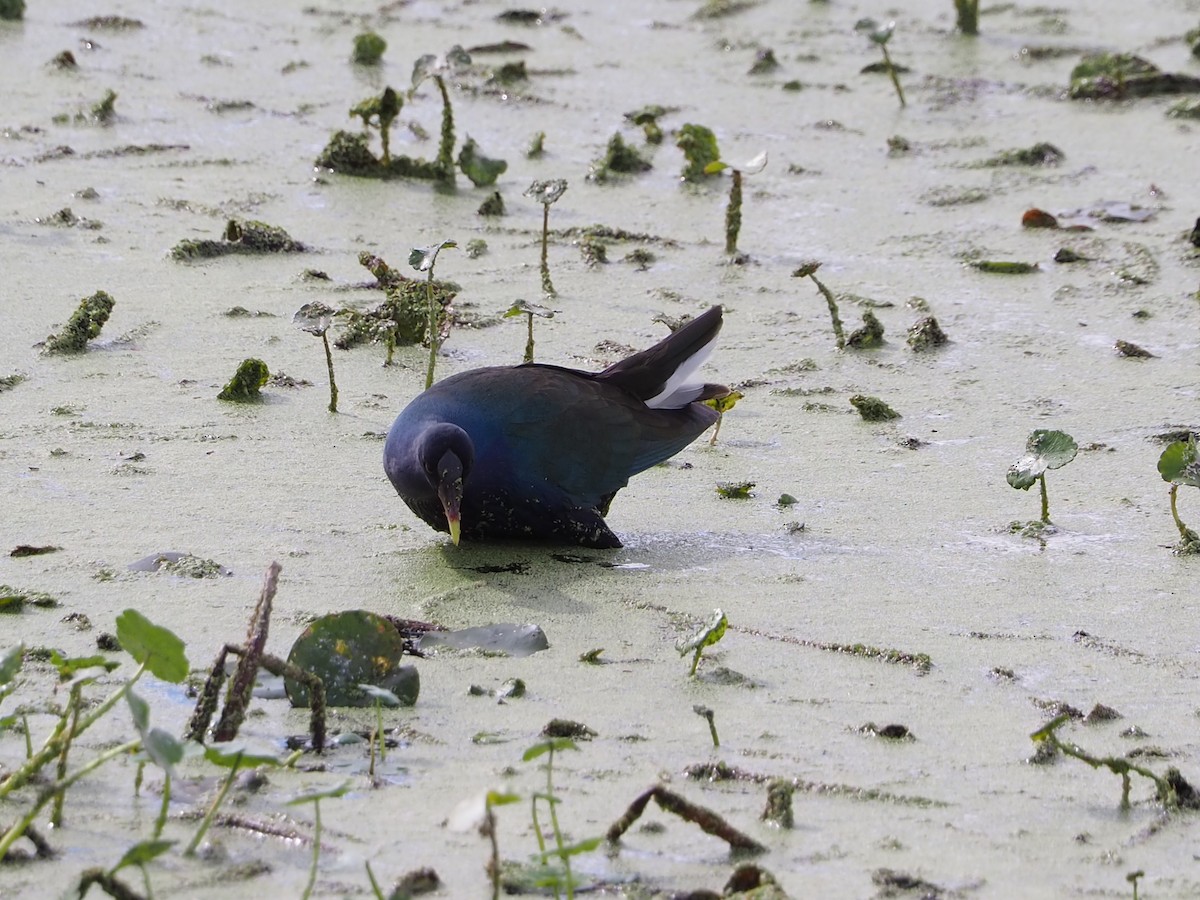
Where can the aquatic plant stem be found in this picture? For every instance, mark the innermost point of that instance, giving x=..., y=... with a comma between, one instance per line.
x=547, y=285
x=432, y=328
x=1045, y=499
x=72, y=710
x=312, y=872
x=887, y=61
x=445, y=159
x=48, y=793
x=733, y=213
x=839, y=335
x=190, y=850
x=333, y=391
x=53, y=745
x=161, y=822
x=1184, y=532
x=529, y=340
x=968, y=24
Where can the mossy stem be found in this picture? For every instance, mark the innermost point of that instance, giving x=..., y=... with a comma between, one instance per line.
x=968, y=24
x=73, y=710
x=887, y=61
x=333, y=391
x=14, y=833
x=445, y=158
x=733, y=213
x=839, y=335
x=1183, y=529
x=1045, y=500
x=529, y=339
x=494, y=865
x=547, y=285
x=432, y=329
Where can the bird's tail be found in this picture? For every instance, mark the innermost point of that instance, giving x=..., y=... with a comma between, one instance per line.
x=659, y=375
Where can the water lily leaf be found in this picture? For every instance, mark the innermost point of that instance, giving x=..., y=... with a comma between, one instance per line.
x=156, y=647
x=349, y=649
x=711, y=632
x=423, y=258
x=1044, y=450
x=546, y=192
x=431, y=66
x=10, y=663
x=524, y=307
x=1180, y=463
x=141, y=853
x=315, y=318
x=311, y=797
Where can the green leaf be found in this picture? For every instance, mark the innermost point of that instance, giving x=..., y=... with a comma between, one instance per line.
x=423, y=258
x=153, y=646
x=230, y=756
x=347, y=650
x=546, y=746
x=717, y=166
x=712, y=631
x=879, y=34
x=1043, y=450
x=313, y=796
x=166, y=750
x=141, y=712
x=585, y=846
x=482, y=170
x=495, y=798
x=10, y=663
x=524, y=307
x=141, y=853
x=69, y=668
x=423, y=68
x=1179, y=463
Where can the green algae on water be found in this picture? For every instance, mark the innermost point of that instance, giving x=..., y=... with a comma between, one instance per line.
x=1004, y=267
x=1117, y=76
x=239, y=237
x=925, y=334
x=872, y=409
x=481, y=170
x=368, y=49
x=618, y=158
x=85, y=323
x=699, y=146
x=244, y=387
x=869, y=336
x=492, y=206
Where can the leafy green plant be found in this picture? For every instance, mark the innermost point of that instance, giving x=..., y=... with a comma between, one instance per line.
x=423, y=259
x=880, y=35
x=315, y=798
x=711, y=632
x=699, y=146
x=1043, y=450
x=315, y=318
x=733, y=209
x=529, y=310
x=233, y=759
x=439, y=68
x=546, y=193
x=551, y=877
x=1179, y=465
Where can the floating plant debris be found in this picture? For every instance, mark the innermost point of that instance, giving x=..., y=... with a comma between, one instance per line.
x=1116, y=76
x=239, y=237
x=925, y=334
x=1131, y=350
x=251, y=375
x=85, y=323
x=872, y=409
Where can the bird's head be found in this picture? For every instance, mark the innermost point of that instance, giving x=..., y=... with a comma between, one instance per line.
x=446, y=455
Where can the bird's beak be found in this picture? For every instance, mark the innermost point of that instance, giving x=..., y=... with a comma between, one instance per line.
x=450, y=492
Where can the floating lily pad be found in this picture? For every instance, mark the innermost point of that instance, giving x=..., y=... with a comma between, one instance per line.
x=348, y=649
x=504, y=637
x=1044, y=450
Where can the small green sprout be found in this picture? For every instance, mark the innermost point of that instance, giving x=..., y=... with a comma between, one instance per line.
x=552, y=877
x=546, y=193
x=85, y=323
x=529, y=310
x=423, y=259
x=537, y=146
x=315, y=318
x=251, y=375
x=711, y=632
x=439, y=68
x=733, y=210
x=368, y=49
x=1180, y=465
x=880, y=35
x=1043, y=450
x=382, y=697
x=967, y=13
x=315, y=799
x=233, y=759
x=722, y=405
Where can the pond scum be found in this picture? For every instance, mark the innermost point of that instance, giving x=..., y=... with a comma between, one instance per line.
x=418, y=311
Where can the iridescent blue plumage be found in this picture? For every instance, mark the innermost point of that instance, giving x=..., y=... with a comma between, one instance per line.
x=538, y=451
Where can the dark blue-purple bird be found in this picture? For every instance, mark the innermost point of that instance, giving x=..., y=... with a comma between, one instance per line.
x=538, y=452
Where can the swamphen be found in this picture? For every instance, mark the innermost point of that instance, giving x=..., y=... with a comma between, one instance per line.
x=538, y=451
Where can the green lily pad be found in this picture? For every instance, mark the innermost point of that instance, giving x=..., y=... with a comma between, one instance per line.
x=1044, y=450
x=348, y=649
x=1180, y=463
